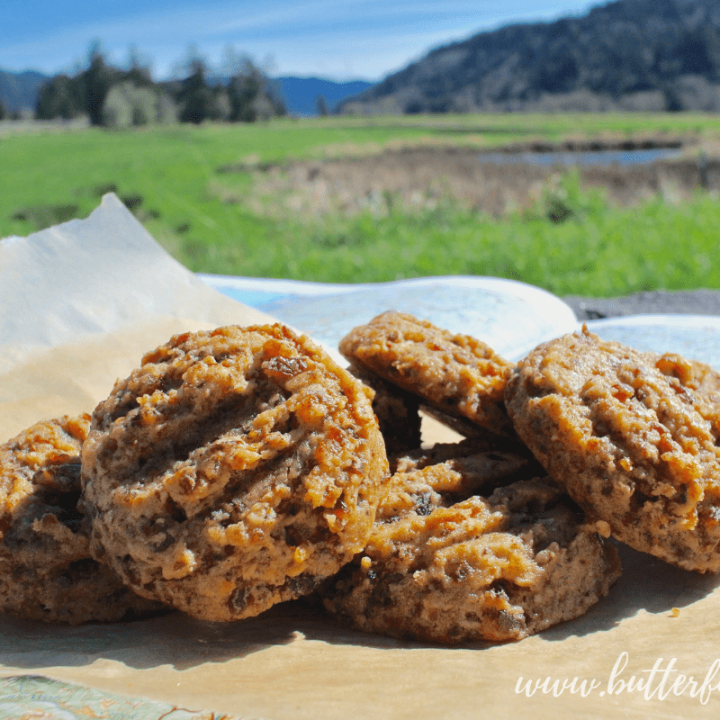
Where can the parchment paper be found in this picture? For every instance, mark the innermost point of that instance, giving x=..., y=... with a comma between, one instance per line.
x=292, y=662
x=79, y=305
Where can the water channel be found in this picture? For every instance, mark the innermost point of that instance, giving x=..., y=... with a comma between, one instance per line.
x=584, y=158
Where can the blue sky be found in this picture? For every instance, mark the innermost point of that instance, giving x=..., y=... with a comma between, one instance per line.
x=336, y=39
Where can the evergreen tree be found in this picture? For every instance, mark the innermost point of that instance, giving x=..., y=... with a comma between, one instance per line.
x=97, y=81
x=59, y=97
x=196, y=97
x=138, y=72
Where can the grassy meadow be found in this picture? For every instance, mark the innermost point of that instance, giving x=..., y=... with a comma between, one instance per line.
x=192, y=189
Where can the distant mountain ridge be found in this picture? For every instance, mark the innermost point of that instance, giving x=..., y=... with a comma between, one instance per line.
x=301, y=93
x=624, y=55
x=19, y=91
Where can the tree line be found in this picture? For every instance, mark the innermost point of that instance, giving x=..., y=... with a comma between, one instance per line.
x=113, y=97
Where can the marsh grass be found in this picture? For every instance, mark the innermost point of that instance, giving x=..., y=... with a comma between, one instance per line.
x=570, y=243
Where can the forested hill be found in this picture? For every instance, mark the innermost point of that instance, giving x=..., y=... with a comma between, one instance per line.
x=629, y=54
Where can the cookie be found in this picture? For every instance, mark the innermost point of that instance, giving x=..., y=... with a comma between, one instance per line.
x=397, y=411
x=455, y=375
x=471, y=466
x=632, y=436
x=46, y=571
x=233, y=470
x=496, y=568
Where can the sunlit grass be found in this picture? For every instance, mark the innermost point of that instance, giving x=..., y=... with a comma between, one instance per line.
x=600, y=252
x=173, y=174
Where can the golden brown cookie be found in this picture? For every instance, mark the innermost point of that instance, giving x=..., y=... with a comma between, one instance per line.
x=456, y=375
x=234, y=469
x=46, y=572
x=452, y=570
x=632, y=436
x=471, y=466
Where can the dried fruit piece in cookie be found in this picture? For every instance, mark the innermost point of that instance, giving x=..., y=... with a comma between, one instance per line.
x=457, y=374
x=46, y=572
x=497, y=568
x=235, y=469
x=632, y=436
x=397, y=412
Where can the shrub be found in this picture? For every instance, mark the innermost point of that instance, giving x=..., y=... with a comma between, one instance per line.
x=117, y=110
x=127, y=104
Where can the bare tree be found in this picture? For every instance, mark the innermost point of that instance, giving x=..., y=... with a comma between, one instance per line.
x=252, y=94
x=321, y=106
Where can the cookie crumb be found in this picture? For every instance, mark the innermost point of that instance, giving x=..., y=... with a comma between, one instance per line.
x=603, y=528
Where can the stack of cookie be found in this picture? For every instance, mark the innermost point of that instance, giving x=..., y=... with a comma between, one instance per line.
x=473, y=540
x=233, y=470
x=242, y=467
x=625, y=445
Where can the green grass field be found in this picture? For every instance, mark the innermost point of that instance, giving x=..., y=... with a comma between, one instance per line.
x=172, y=177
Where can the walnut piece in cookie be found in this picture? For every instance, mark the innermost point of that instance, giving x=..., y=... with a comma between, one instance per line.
x=455, y=375
x=46, y=571
x=632, y=436
x=493, y=568
x=233, y=470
